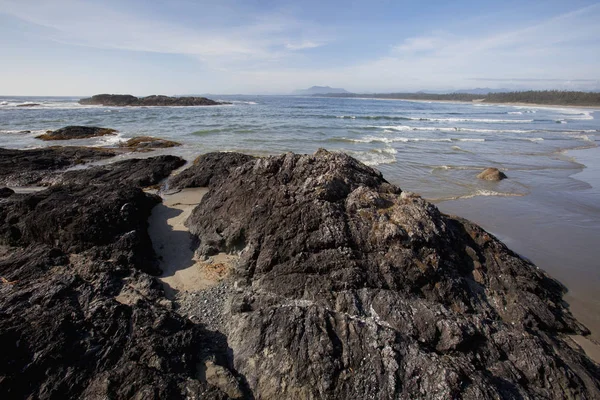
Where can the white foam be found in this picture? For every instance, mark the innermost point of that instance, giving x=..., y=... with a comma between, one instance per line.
x=346, y=117
x=476, y=120
x=482, y=192
x=515, y=113
x=374, y=158
x=387, y=150
x=389, y=128
x=382, y=139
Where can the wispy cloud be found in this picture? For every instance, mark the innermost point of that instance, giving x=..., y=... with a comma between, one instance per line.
x=257, y=38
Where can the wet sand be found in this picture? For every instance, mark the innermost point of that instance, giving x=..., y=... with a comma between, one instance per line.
x=558, y=230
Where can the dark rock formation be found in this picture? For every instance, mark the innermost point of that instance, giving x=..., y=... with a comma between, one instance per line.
x=76, y=132
x=147, y=143
x=137, y=172
x=492, y=174
x=38, y=166
x=354, y=289
x=6, y=192
x=207, y=168
x=28, y=105
x=121, y=100
x=348, y=288
x=79, y=315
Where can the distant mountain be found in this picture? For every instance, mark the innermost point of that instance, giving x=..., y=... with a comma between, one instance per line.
x=318, y=90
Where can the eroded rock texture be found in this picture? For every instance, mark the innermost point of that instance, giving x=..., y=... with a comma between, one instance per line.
x=207, y=169
x=353, y=289
x=80, y=314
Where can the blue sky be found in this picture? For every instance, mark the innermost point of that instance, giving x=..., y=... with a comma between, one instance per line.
x=75, y=47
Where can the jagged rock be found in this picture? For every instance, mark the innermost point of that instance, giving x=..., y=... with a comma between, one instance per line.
x=76, y=132
x=6, y=192
x=355, y=289
x=146, y=143
x=208, y=168
x=37, y=166
x=121, y=100
x=492, y=174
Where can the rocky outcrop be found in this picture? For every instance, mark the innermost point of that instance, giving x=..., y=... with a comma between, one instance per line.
x=120, y=100
x=347, y=288
x=39, y=166
x=76, y=132
x=147, y=143
x=351, y=288
x=80, y=314
x=208, y=168
x=492, y=174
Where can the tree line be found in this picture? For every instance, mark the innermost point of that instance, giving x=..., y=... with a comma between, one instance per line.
x=550, y=97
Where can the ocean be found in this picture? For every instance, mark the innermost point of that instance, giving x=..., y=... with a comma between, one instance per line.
x=548, y=210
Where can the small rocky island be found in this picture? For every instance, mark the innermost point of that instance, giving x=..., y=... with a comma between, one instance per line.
x=124, y=100
x=342, y=286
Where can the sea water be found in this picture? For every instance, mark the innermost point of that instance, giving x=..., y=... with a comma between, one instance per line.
x=435, y=149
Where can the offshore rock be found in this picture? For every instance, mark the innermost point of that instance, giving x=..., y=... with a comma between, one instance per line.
x=492, y=174
x=76, y=132
x=38, y=166
x=208, y=168
x=350, y=288
x=122, y=100
x=147, y=143
x=80, y=316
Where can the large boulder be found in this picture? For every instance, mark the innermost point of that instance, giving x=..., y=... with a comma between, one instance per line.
x=76, y=132
x=39, y=166
x=492, y=174
x=351, y=288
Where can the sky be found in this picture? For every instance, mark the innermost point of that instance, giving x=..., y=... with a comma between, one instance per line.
x=79, y=47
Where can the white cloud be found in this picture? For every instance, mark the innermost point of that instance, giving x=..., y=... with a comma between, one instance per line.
x=303, y=45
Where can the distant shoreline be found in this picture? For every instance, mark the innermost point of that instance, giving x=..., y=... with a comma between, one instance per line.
x=537, y=105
